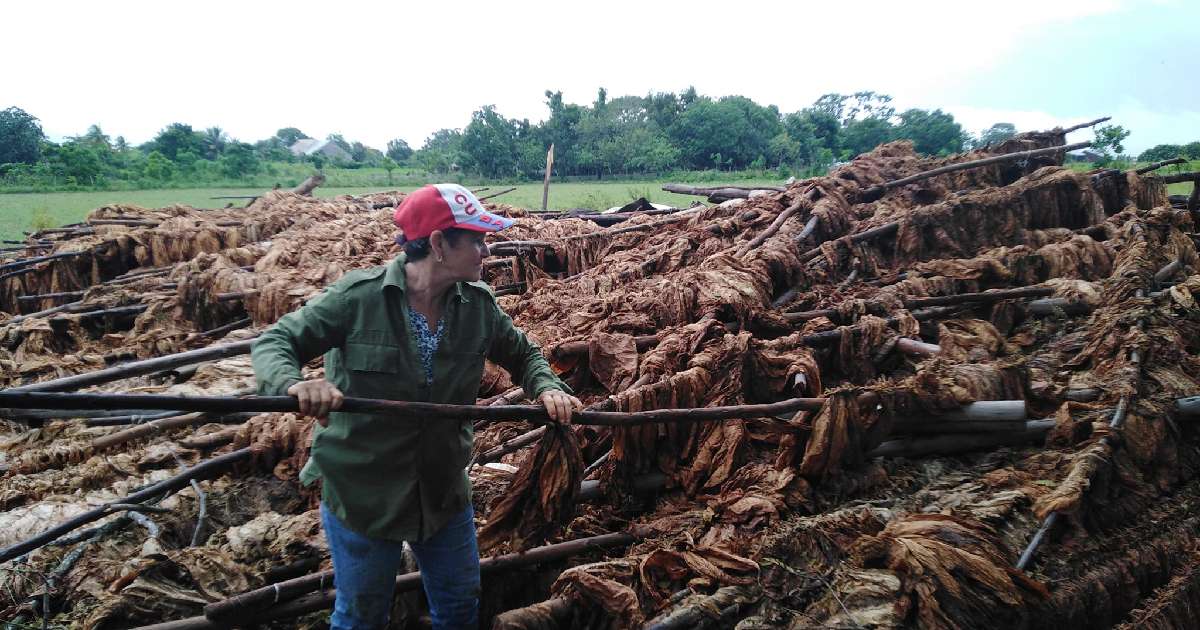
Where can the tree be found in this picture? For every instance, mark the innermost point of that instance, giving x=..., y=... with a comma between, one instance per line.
x=76, y=160
x=489, y=144
x=860, y=136
x=735, y=127
x=932, y=132
x=814, y=129
x=158, y=167
x=1191, y=150
x=20, y=137
x=239, y=160
x=289, y=135
x=996, y=134
x=441, y=152
x=562, y=130
x=389, y=165
x=177, y=137
x=398, y=150
x=215, y=141
x=1161, y=152
x=1109, y=139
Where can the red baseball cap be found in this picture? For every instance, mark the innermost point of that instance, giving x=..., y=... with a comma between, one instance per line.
x=443, y=206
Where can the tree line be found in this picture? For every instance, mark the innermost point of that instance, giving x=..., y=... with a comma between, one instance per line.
x=655, y=134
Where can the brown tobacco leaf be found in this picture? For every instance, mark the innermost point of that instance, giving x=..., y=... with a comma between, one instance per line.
x=607, y=585
x=541, y=496
x=664, y=571
x=953, y=569
x=613, y=359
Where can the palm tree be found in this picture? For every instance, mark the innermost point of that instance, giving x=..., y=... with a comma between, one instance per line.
x=214, y=142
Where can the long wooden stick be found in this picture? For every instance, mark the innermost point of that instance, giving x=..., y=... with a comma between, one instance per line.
x=166, y=486
x=886, y=229
x=496, y=194
x=774, y=227
x=674, y=218
x=875, y=192
x=51, y=296
x=38, y=259
x=956, y=443
x=257, y=603
x=1157, y=165
x=1090, y=123
x=139, y=368
x=42, y=313
x=1190, y=176
x=117, y=311
x=507, y=246
x=944, y=300
x=228, y=404
x=574, y=348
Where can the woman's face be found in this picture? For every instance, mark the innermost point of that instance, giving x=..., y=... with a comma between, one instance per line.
x=463, y=259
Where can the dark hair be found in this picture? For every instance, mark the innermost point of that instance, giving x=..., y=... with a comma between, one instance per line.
x=418, y=249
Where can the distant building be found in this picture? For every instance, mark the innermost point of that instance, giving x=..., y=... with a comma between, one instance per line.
x=305, y=147
x=1086, y=155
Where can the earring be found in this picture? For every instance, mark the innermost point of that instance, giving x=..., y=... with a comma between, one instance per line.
x=439, y=259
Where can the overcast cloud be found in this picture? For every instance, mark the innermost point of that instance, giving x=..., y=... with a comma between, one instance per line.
x=376, y=71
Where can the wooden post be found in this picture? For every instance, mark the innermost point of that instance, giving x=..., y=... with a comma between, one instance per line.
x=546, y=182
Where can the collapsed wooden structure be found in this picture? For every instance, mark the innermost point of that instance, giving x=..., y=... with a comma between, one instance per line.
x=944, y=393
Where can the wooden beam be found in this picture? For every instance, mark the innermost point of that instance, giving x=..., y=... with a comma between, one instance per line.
x=875, y=192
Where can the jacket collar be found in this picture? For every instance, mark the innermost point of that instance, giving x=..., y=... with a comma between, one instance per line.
x=394, y=276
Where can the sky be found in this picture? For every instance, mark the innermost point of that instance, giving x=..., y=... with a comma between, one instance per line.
x=374, y=71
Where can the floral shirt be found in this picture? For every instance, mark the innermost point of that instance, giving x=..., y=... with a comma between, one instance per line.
x=427, y=340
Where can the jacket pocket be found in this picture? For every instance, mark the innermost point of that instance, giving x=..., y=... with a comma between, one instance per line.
x=372, y=358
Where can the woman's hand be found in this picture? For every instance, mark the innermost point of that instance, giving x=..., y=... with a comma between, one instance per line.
x=559, y=405
x=317, y=398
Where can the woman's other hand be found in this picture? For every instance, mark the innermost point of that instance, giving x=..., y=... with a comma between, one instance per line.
x=317, y=398
x=559, y=405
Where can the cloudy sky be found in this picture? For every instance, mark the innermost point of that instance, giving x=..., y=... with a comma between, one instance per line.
x=373, y=71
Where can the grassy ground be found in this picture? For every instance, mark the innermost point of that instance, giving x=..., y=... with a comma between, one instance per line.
x=28, y=211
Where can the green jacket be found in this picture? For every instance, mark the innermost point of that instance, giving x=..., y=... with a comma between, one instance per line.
x=387, y=477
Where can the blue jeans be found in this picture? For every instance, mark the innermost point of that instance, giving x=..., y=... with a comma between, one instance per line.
x=365, y=573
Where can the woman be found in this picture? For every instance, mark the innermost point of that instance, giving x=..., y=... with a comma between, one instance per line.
x=416, y=329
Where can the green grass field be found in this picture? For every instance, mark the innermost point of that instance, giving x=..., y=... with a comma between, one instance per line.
x=29, y=211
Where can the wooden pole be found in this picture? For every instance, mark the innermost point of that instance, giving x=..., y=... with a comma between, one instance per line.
x=166, y=486
x=1157, y=165
x=72, y=295
x=772, y=229
x=1170, y=269
x=875, y=192
x=675, y=218
x=944, y=300
x=546, y=182
x=1190, y=176
x=1049, y=307
x=886, y=229
x=955, y=443
x=117, y=311
x=1091, y=123
x=307, y=187
x=257, y=604
x=50, y=311
x=500, y=247
x=25, y=262
x=497, y=194
x=34, y=399
x=138, y=368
